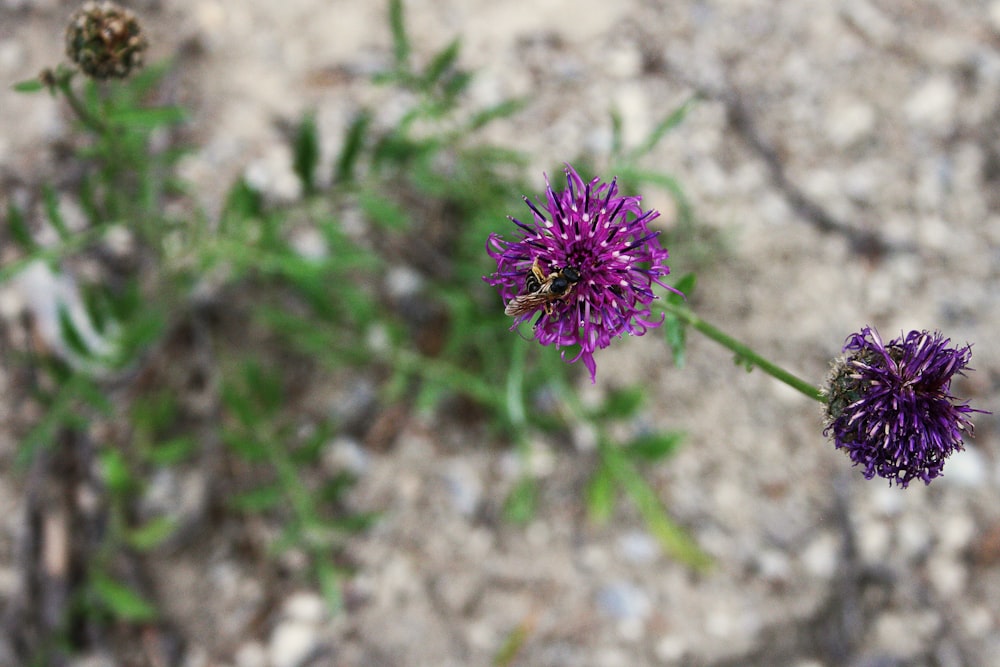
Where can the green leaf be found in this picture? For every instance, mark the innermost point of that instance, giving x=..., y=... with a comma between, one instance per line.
x=333, y=489
x=242, y=203
x=654, y=446
x=357, y=522
x=601, y=495
x=172, y=451
x=455, y=86
x=329, y=584
x=675, y=329
x=513, y=644
x=29, y=86
x=258, y=500
x=306, y=153
x=117, y=476
x=675, y=540
x=19, y=228
x=152, y=534
x=622, y=403
x=70, y=334
x=502, y=110
x=522, y=502
x=400, y=42
x=96, y=304
x=382, y=211
x=51, y=201
x=62, y=413
x=617, y=133
x=347, y=160
x=122, y=601
x=442, y=62
x=685, y=286
x=246, y=446
x=675, y=333
x=146, y=119
x=672, y=120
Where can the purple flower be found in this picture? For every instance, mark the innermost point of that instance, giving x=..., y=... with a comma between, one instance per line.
x=889, y=406
x=584, y=267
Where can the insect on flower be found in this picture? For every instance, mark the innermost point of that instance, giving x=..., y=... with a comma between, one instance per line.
x=587, y=262
x=541, y=290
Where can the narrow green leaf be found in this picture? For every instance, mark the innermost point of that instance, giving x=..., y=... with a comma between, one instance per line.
x=675, y=334
x=258, y=500
x=329, y=584
x=685, y=212
x=242, y=203
x=522, y=502
x=51, y=201
x=674, y=329
x=382, y=211
x=29, y=86
x=347, y=160
x=70, y=334
x=92, y=395
x=441, y=63
x=504, y=109
x=117, y=476
x=333, y=490
x=400, y=42
x=306, y=153
x=96, y=304
x=512, y=645
x=122, y=601
x=672, y=120
x=357, y=522
x=19, y=228
x=152, y=533
x=265, y=386
x=61, y=413
x=601, y=495
x=455, y=86
x=685, y=286
x=674, y=539
x=617, y=133
x=654, y=446
x=622, y=403
x=89, y=198
x=173, y=451
x=146, y=119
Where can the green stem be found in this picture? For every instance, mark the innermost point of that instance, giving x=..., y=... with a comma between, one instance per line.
x=743, y=353
x=79, y=108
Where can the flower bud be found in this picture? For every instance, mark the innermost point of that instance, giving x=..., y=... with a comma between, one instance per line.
x=105, y=40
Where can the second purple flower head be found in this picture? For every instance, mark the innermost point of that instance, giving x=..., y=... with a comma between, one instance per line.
x=583, y=267
x=890, y=407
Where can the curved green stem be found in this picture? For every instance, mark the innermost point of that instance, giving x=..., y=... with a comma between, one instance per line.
x=64, y=83
x=743, y=353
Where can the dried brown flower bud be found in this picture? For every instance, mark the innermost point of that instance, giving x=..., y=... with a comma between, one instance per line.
x=105, y=40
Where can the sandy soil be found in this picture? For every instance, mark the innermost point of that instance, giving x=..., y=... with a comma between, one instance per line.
x=825, y=125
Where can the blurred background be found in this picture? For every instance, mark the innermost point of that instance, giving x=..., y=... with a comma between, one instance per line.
x=827, y=165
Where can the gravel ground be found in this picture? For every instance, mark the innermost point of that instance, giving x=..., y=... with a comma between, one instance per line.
x=846, y=151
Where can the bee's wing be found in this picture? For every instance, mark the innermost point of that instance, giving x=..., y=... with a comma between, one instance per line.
x=526, y=303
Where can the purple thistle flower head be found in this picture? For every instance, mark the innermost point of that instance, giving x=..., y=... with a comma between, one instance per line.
x=889, y=406
x=583, y=267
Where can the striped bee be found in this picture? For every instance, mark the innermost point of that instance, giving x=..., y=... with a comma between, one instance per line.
x=541, y=290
